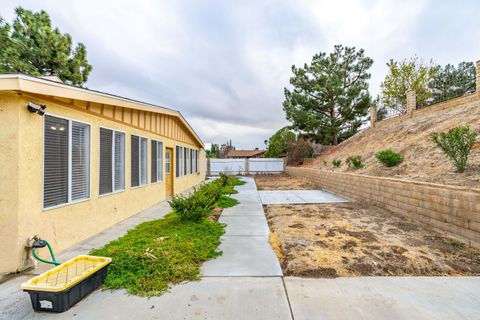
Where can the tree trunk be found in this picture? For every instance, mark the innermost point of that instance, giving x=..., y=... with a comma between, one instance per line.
x=332, y=121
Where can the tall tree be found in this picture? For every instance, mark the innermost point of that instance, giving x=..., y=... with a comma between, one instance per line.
x=450, y=82
x=330, y=98
x=30, y=45
x=412, y=74
x=278, y=144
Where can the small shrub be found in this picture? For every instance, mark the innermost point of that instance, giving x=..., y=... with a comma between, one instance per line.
x=355, y=162
x=457, y=145
x=337, y=162
x=389, y=158
x=191, y=208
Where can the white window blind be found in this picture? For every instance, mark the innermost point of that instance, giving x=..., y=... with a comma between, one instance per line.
x=66, y=161
x=80, y=148
x=106, y=159
x=135, y=168
x=179, y=161
x=139, y=163
x=143, y=161
x=112, y=161
x=119, y=161
x=185, y=161
x=157, y=161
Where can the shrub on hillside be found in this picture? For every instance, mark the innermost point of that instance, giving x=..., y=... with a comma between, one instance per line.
x=457, y=145
x=355, y=162
x=337, y=162
x=389, y=158
x=298, y=151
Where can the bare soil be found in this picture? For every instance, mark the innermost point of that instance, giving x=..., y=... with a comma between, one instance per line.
x=353, y=239
x=283, y=182
x=411, y=137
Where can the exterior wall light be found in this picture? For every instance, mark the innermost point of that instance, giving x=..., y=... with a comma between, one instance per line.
x=36, y=108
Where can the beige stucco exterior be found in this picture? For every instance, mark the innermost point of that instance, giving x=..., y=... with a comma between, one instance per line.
x=21, y=172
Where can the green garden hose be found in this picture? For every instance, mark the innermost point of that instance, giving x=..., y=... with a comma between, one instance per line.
x=40, y=244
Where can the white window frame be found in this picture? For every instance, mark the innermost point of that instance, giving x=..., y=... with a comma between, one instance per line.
x=113, y=162
x=140, y=185
x=69, y=191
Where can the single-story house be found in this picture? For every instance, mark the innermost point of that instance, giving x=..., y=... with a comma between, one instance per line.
x=76, y=161
x=245, y=154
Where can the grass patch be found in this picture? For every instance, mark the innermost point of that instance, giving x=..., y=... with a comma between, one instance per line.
x=158, y=253
x=226, y=202
x=455, y=243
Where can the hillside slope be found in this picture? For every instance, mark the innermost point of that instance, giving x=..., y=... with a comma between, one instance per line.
x=410, y=136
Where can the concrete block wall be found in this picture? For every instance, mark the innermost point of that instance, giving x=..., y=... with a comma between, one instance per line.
x=453, y=211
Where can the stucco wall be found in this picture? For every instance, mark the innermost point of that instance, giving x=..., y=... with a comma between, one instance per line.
x=9, y=121
x=72, y=223
x=454, y=211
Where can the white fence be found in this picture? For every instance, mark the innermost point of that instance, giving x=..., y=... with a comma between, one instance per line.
x=244, y=166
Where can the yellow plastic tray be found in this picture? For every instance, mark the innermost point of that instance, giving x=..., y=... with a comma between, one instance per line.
x=67, y=274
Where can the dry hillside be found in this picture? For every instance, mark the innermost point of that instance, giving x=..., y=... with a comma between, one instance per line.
x=410, y=136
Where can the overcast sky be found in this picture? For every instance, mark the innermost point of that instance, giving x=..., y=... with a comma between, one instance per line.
x=224, y=64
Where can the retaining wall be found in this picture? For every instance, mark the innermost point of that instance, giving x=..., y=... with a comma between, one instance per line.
x=453, y=211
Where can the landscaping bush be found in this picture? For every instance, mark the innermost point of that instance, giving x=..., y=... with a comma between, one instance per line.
x=355, y=162
x=457, y=145
x=198, y=205
x=194, y=207
x=389, y=158
x=336, y=162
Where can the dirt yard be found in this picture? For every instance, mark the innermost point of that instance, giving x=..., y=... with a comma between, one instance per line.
x=351, y=239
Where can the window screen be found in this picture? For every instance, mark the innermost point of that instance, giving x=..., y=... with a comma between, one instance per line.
x=153, y=152
x=185, y=161
x=135, y=168
x=143, y=161
x=178, y=161
x=191, y=161
x=80, y=161
x=119, y=161
x=106, y=161
x=55, y=160
x=157, y=161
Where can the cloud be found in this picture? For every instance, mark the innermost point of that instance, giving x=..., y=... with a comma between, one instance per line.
x=224, y=64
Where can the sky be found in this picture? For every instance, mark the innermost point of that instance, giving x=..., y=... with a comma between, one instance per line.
x=224, y=64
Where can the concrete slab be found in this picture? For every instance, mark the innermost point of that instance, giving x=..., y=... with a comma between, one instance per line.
x=298, y=197
x=244, y=210
x=253, y=225
x=210, y=298
x=243, y=256
x=385, y=298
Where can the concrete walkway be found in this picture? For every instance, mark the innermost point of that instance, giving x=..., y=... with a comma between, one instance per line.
x=245, y=247
x=246, y=282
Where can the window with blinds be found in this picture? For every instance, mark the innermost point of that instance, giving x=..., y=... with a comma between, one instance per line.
x=66, y=161
x=139, y=161
x=106, y=160
x=143, y=161
x=191, y=161
x=119, y=161
x=156, y=161
x=178, y=161
x=135, y=168
x=185, y=162
x=80, y=158
x=112, y=161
